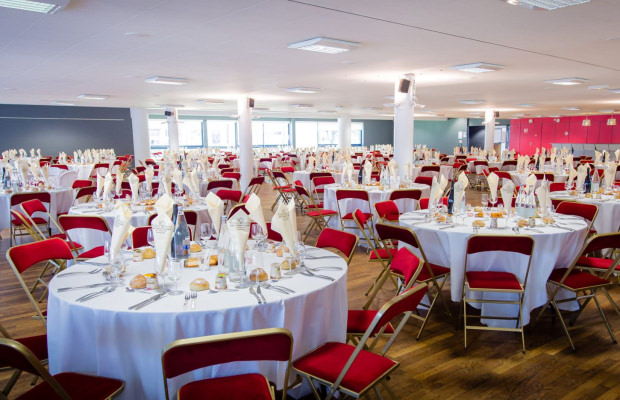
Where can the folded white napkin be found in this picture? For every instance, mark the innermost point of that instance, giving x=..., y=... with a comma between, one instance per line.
x=407, y=172
x=256, y=212
x=214, y=207
x=39, y=153
x=393, y=167
x=23, y=167
x=32, y=153
x=119, y=183
x=239, y=230
x=134, y=184
x=193, y=175
x=34, y=169
x=572, y=173
x=284, y=221
x=610, y=174
x=166, y=182
x=443, y=182
x=177, y=177
x=459, y=190
x=597, y=157
x=493, y=181
x=543, y=196
x=582, y=170
x=122, y=225
x=187, y=181
x=618, y=155
x=367, y=170
x=507, y=191
x=435, y=189
x=163, y=229
x=46, y=173
x=148, y=177
x=100, y=185
x=165, y=205
x=108, y=185
x=530, y=183
x=205, y=167
x=310, y=164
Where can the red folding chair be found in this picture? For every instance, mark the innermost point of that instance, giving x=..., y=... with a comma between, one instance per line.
x=80, y=183
x=387, y=211
x=84, y=193
x=15, y=227
x=319, y=182
x=320, y=216
x=347, y=196
x=425, y=200
x=353, y=370
x=92, y=222
x=404, y=196
x=343, y=242
x=424, y=180
x=23, y=257
x=186, y=355
x=579, y=279
x=584, y=210
x=255, y=185
x=66, y=385
x=139, y=237
x=229, y=197
x=281, y=185
x=430, y=171
x=496, y=279
x=221, y=184
x=232, y=175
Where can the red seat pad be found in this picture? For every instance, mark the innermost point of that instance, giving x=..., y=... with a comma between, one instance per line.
x=92, y=253
x=577, y=279
x=78, y=386
x=237, y=387
x=383, y=253
x=438, y=271
x=321, y=212
x=350, y=216
x=359, y=320
x=492, y=280
x=319, y=205
x=391, y=216
x=319, y=190
x=36, y=344
x=596, y=263
x=327, y=362
x=36, y=220
x=64, y=237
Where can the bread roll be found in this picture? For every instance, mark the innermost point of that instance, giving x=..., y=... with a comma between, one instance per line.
x=479, y=223
x=192, y=262
x=148, y=253
x=287, y=266
x=195, y=248
x=138, y=282
x=262, y=275
x=522, y=223
x=213, y=260
x=199, y=284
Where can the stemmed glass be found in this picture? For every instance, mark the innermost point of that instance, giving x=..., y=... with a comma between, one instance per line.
x=175, y=269
x=493, y=201
x=258, y=235
x=106, y=251
x=205, y=233
x=150, y=237
x=484, y=200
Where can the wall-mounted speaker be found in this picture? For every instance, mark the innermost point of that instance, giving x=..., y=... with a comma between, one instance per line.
x=251, y=102
x=404, y=85
x=496, y=114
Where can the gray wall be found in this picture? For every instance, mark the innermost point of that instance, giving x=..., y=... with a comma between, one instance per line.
x=59, y=128
x=441, y=135
x=377, y=131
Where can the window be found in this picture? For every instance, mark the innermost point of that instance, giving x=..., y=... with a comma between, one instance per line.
x=270, y=133
x=158, y=133
x=190, y=133
x=323, y=133
x=221, y=133
x=305, y=134
x=328, y=133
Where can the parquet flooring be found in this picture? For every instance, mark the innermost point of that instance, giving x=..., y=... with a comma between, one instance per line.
x=437, y=366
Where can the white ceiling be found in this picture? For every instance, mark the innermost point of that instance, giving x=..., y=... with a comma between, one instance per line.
x=228, y=48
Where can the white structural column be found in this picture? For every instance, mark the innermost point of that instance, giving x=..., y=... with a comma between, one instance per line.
x=403, y=123
x=246, y=156
x=173, y=129
x=489, y=129
x=140, y=128
x=344, y=132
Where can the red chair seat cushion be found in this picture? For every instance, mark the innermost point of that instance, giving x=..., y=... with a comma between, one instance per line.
x=64, y=237
x=391, y=217
x=319, y=190
x=596, y=263
x=319, y=205
x=36, y=344
x=577, y=279
x=78, y=387
x=359, y=320
x=321, y=212
x=281, y=187
x=350, y=216
x=492, y=280
x=383, y=253
x=438, y=271
x=327, y=362
x=237, y=387
x=36, y=220
x=92, y=253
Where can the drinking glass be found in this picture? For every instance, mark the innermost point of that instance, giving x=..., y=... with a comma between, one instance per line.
x=567, y=186
x=484, y=199
x=150, y=237
x=205, y=258
x=106, y=251
x=258, y=235
x=116, y=267
x=205, y=233
x=175, y=270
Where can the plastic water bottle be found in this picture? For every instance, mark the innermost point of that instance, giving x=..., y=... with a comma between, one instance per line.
x=180, y=238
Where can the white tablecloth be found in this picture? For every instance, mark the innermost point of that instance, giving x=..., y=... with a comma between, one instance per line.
x=554, y=248
x=304, y=177
x=519, y=178
x=492, y=164
x=61, y=200
x=90, y=238
x=608, y=217
x=103, y=337
x=444, y=170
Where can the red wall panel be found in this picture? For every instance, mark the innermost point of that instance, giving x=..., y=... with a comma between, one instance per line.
x=604, y=133
x=515, y=134
x=594, y=132
x=561, y=130
x=578, y=132
x=615, y=135
x=547, y=134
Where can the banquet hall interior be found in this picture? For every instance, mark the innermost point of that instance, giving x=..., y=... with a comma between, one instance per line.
x=309, y=199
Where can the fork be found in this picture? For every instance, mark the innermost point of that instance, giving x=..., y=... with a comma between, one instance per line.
x=260, y=293
x=187, y=297
x=107, y=289
x=193, y=294
x=255, y=295
x=94, y=271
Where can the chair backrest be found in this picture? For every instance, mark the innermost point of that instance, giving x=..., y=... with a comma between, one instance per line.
x=391, y=232
x=68, y=222
x=318, y=174
x=185, y=355
x=139, y=237
x=342, y=241
x=85, y=191
x=405, y=264
x=387, y=209
x=287, y=170
x=322, y=180
x=18, y=356
x=257, y=180
x=80, y=183
x=225, y=183
x=556, y=186
x=430, y=168
x=424, y=202
x=32, y=206
x=342, y=194
x=413, y=194
x=18, y=198
x=585, y=210
x=232, y=195
x=233, y=175
x=424, y=180
x=544, y=175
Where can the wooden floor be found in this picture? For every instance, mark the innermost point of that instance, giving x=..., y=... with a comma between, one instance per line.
x=437, y=366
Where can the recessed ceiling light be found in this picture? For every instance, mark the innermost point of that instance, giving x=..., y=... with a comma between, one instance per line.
x=93, y=96
x=171, y=105
x=567, y=81
x=261, y=108
x=325, y=45
x=211, y=101
x=302, y=89
x=136, y=34
x=327, y=111
x=389, y=105
x=301, y=105
x=526, y=105
x=545, y=4
x=572, y=108
x=62, y=103
x=35, y=6
x=370, y=108
x=165, y=80
x=478, y=67
x=614, y=90
x=606, y=111
x=390, y=97
x=598, y=87
x=518, y=115
x=471, y=101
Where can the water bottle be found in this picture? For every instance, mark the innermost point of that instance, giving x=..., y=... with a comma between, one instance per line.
x=596, y=182
x=180, y=238
x=451, y=198
x=360, y=177
x=587, y=185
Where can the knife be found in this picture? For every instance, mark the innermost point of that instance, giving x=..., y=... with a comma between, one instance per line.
x=148, y=301
x=94, y=285
x=255, y=295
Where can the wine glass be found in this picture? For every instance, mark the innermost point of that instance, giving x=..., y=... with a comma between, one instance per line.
x=106, y=251
x=175, y=271
x=150, y=237
x=258, y=235
x=484, y=199
x=205, y=233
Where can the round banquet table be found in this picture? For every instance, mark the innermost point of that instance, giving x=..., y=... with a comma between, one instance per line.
x=553, y=248
x=90, y=238
x=304, y=177
x=103, y=337
x=608, y=217
x=374, y=194
x=61, y=199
